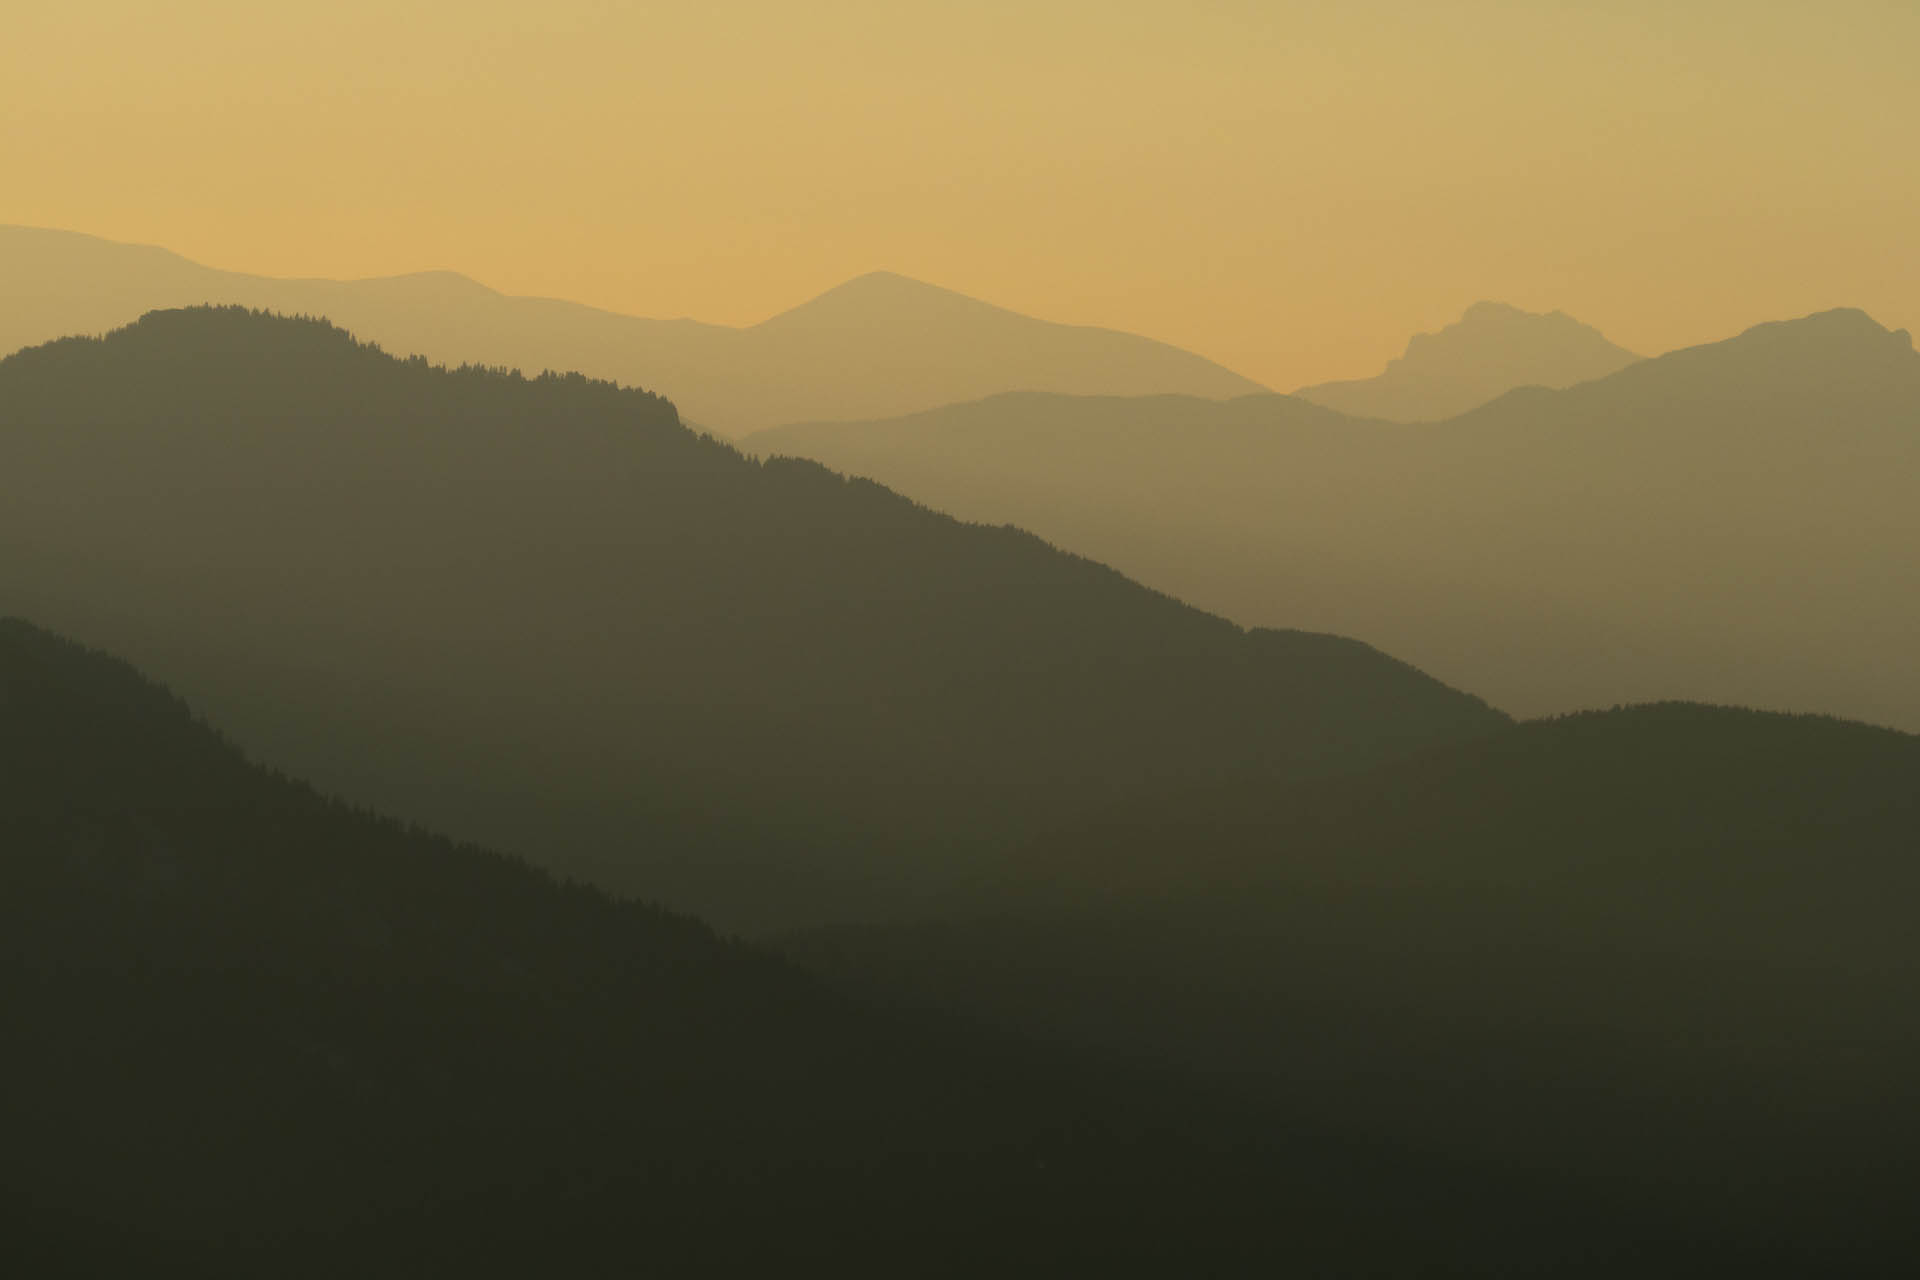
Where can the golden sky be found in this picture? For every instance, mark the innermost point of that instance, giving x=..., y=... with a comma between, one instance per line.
x=1290, y=188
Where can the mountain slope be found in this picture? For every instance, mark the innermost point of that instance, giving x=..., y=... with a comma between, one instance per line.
x=543, y=614
x=1665, y=947
x=251, y=1031
x=1489, y=351
x=1733, y=522
x=877, y=345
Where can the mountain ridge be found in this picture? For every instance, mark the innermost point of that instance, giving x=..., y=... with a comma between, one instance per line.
x=1611, y=542
x=456, y=595
x=878, y=343
x=255, y=1031
x=1666, y=944
x=1493, y=348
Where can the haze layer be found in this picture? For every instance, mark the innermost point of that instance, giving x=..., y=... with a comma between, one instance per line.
x=1286, y=188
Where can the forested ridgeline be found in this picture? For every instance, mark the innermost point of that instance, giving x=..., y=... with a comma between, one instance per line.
x=539, y=613
x=253, y=1031
x=1663, y=946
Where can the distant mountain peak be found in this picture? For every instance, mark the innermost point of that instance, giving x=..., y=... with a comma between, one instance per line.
x=1838, y=323
x=884, y=283
x=1491, y=349
x=448, y=280
x=1813, y=353
x=1501, y=320
x=1487, y=309
x=885, y=278
x=883, y=297
x=876, y=345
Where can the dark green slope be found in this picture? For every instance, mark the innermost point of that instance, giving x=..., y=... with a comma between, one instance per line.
x=1669, y=946
x=542, y=614
x=251, y=1031
x=237, y=1010
x=244, y=1018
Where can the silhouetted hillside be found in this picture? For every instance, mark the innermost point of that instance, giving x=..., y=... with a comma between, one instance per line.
x=1733, y=522
x=1668, y=947
x=880, y=344
x=253, y=1032
x=541, y=614
x=1488, y=352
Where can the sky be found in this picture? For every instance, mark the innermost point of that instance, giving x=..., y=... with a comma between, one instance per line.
x=1290, y=188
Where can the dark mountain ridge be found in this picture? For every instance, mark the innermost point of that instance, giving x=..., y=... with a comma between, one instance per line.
x=1664, y=946
x=252, y=1031
x=541, y=613
x=242, y=1013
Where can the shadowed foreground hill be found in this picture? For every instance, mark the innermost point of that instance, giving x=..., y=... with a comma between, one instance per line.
x=1669, y=947
x=1486, y=353
x=1734, y=523
x=542, y=614
x=878, y=344
x=251, y=1031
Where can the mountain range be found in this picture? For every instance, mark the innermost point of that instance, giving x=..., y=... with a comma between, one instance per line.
x=1665, y=946
x=1490, y=1007
x=877, y=345
x=542, y=614
x=1489, y=351
x=1721, y=523
x=1487, y=1008
x=1113, y=936
x=254, y=1031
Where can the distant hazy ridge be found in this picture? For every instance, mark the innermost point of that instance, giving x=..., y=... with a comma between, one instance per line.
x=1735, y=522
x=1486, y=353
x=879, y=344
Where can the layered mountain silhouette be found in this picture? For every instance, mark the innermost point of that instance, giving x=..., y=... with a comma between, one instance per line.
x=1489, y=351
x=543, y=614
x=880, y=344
x=1666, y=947
x=1137, y=941
x=1733, y=522
x=253, y=1031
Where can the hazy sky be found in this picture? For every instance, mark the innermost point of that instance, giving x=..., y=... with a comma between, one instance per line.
x=1289, y=188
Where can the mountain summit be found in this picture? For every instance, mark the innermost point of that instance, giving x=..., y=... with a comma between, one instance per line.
x=1489, y=351
x=882, y=292
x=877, y=345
